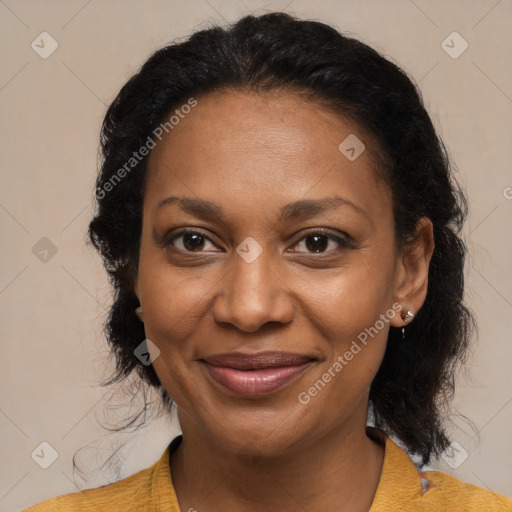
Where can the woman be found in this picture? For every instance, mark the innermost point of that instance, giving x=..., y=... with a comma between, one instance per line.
x=280, y=224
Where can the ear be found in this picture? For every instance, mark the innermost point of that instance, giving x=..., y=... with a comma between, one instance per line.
x=411, y=274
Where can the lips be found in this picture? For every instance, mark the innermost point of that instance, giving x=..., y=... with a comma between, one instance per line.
x=256, y=374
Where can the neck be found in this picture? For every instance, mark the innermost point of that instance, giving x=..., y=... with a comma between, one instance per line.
x=337, y=471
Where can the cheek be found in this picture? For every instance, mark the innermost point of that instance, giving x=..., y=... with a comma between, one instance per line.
x=173, y=303
x=354, y=327
x=352, y=311
x=169, y=321
x=351, y=299
x=173, y=298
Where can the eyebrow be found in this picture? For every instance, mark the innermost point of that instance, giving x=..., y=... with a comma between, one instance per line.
x=303, y=208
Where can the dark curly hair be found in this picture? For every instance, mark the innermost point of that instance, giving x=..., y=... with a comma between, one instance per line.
x=277, y=51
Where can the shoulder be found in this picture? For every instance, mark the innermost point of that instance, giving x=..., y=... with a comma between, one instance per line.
x=127, y=494
x=147, y=490
x=457, y=495
x=405, y=487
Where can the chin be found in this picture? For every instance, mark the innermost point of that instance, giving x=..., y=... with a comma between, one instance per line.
x=259, y=432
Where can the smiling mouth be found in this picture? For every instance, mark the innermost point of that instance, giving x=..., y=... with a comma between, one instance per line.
x=256, y=374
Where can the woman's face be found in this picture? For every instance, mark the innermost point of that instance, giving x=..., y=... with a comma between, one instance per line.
x=290, y=249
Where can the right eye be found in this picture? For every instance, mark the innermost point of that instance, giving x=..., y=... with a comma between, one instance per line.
x=189, y=240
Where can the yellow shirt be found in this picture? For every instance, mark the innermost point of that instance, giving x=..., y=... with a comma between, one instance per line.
x=400, y=489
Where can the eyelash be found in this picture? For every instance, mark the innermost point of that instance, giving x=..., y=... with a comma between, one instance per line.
x=344, y=243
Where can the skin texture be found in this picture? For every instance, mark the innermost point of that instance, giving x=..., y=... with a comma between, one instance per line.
x=252, y=154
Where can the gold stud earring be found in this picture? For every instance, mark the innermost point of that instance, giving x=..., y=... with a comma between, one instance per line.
x=406, y=317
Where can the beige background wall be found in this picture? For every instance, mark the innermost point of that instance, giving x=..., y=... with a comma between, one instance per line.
x=52, y=350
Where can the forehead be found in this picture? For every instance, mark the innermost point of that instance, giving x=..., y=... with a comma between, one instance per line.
x=274, y=146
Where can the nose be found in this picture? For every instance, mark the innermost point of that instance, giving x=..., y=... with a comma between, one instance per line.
x=253, y=294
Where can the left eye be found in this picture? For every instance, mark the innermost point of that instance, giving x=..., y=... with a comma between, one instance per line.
x=319, y=242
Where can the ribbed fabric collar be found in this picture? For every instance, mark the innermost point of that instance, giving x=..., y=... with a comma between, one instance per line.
x=400, y=482
x=163, y=496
